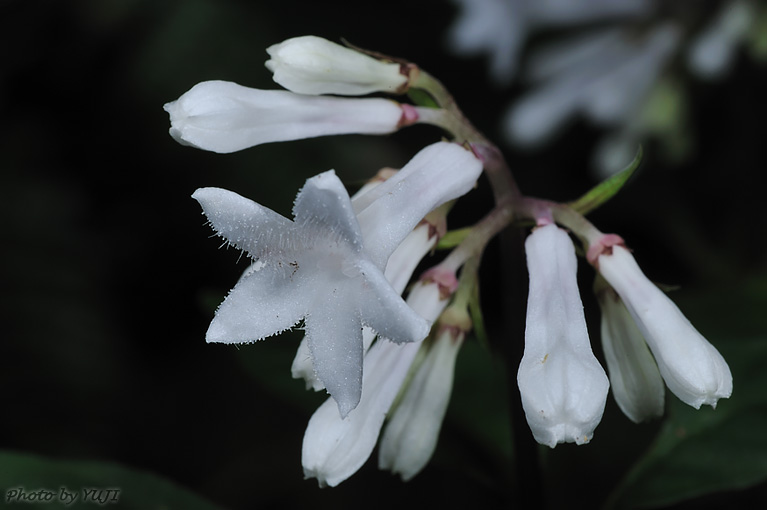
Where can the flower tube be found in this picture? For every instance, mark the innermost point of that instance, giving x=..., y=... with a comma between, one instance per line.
x=222, y=116
x=691, y=367
x=562, y=385
x=412, y=432
x=634, y=377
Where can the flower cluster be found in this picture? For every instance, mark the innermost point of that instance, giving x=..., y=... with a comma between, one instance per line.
x=342, y=264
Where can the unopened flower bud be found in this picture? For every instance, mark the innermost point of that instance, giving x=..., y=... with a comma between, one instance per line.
x=691, y=367
x=634, y=377
x=312, y=65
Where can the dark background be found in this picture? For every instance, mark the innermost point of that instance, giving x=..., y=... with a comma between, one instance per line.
x=109, y=277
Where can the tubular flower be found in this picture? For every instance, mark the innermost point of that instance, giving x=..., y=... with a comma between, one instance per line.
x=412, y=432
x=634, y=377
x=691, y=367
x=562, y=385
x=335, y=448
x=312, y=65
x=222, y=116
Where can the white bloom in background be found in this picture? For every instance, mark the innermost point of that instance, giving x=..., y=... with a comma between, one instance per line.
x=500, y=27
x=691, y=367
x=605, y=76
x=225, y=117
x=563, y=386
x=313, y=65
x=634, y=377
x=335, y=448
x=314, y=268
x=712, y=51
x=411, y=435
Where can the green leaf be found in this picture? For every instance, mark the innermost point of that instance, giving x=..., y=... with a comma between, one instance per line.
x=477, y=320
x=453, y=238
x=140, y=491
x=705, y=451
x=606, y=189
x=697, y=453
x=421, y=98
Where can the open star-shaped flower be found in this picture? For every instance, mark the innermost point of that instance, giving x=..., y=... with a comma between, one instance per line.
x=313, y=268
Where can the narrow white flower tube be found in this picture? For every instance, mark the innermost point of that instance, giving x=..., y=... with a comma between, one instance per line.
x=335, y=448
x=313, y=65
x=225, y=117
x=634, y=377
x=411, y=435
x=562, y=385
x=439, y=173
x=691, y=367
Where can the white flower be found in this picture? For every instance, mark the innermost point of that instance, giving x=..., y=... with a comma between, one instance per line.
x=335, y=448
x=312, y=65
x=326, y=266
x=604, y=75
x=314, y=268
x=634, y=377
x=562, y=385
x=691, y=367
x=224, y=117
x=412, y=432
x=388, y=212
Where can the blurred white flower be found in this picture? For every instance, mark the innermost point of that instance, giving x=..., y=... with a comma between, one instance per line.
x=605, y=76
x=225, y=117
x=563, y=386
x=711, y=52
x=313, y=65
x=622, y=51
x=691, y=367
x=500, y=27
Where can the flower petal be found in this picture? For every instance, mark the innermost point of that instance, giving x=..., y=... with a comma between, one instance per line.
x=384, y=310
x=323, y=205
x=244, y=223
x=263, y=303
x=334, y=336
